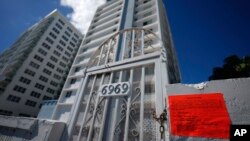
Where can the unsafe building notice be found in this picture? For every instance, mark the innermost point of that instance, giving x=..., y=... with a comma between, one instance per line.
x=199, y=115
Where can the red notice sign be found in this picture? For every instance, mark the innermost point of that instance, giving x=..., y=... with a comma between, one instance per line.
x=199, y=115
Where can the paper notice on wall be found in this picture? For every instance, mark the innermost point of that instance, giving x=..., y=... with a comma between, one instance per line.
x=199, y=115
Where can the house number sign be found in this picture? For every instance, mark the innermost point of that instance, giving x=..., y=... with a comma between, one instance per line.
x=115, y=89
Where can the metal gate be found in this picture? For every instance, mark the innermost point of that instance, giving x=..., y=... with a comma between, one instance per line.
x=137, y=57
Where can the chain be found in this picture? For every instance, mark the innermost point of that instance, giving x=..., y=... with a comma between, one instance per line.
x=161, y=119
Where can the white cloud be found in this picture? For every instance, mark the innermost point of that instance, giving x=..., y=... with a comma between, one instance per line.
x=83, y=12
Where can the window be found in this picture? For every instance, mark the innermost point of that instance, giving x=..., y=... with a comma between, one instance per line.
x=67, y=33
x=34, y=65
x=45, y=45
x=70, y=49
x=65, y=38
x=55, y=30
x=35, y=94
x=49, y=90
x=69, y=29
x=42, y=51
x=67, y=53
x=38, y=58
x=76, y=35
x=49, y=40
x=57, y=53
x=5, y=112
x=50, y=65
x=47, y=98
x=39, y=86
x=60, y=21
x=57, y=77
x=53, y=59
x=30, y=103
x=77, y=69
x=58, y=26
x=24, y=115
x=62, y=64
x=74, y=39
x=52, y=35
x=65, y=59
x=62, y=43
x=29, y=72
x=59, y=48
x=72, y=44
x=73, y=81
x=68, y=94
x=19, y=89
x=47, y=71
x=59, y=70
x=24, y=80
x=44, y=79
x=13, y=98
x=53, y=83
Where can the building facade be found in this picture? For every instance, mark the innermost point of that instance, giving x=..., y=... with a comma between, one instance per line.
x=116, y=85
x=35, y=67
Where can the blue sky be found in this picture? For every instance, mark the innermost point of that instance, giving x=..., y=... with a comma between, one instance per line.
x=204, y=31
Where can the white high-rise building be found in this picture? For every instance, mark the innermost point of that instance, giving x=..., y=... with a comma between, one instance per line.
x=35, y=67
x=118, y=78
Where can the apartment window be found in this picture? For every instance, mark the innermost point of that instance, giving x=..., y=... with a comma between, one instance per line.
x=77, y=69
x=5, y=112
x=24, y=115
x=50, y=65
x=52, y=35
x=74, y=39
x=47, y=98
x=62, y=43
x=30, y=103
x=39, y=86
x=35, y=94
x=76, y=36
x=72, y=44
x=24, y=80
x=49, y=40
x=53, y=83
x=57, y=53
x=58, y=26
x=62, y=64
x=59, y=48
x=43, y=78
x=29, y=72
x=70, y=49
x=55, y=30
x=69, y=29
x=57, y=77
x=73, y=81
x=34, y=65
x=42, y=51
x=67, y=53
x=65, y=59
x=53, y=59
x=13, y=98
x=65, y=38
x=45, y=45
x=60, y=21
x=59, y=70
x=47, y=71
x=19, y=89
x=68, y=94
x=49, y=90
x=38, y=58
x=67, y=33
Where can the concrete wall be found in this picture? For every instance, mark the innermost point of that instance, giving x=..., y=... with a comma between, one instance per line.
x=29, y=129
x=236, y=94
